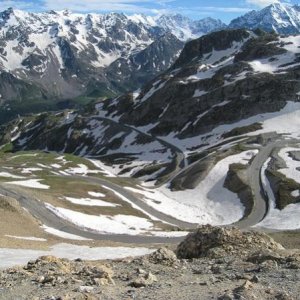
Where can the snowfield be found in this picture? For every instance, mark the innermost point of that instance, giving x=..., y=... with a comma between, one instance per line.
x=96, y=194
x=104, y=224
x=118, y=224
x=90, y=202
x=9, y=175
x=285, y=219
x=208, y=203
x=81, y=169
x=30, y=170
x=26, y=238
x=63, y=234
x=292, y=166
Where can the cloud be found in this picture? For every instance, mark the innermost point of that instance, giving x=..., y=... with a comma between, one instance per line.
x=224, y=9
x=26, y=5
x=208, y=10
x=129, y=6
x=262, y=3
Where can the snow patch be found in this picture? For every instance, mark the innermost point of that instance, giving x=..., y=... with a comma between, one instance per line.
x=9, y=175
x=32, y=183
x=63, y=234
x=96, y=194
x=118, y=224
x=90, y=202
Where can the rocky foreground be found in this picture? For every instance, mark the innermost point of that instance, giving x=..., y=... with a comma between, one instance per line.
x=211, y=263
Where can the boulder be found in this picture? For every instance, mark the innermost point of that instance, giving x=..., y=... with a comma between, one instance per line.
x=163, y=256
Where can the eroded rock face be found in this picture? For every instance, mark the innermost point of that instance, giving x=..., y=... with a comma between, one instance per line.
x=217, y=241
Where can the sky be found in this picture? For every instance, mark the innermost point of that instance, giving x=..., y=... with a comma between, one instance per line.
x=195, y=9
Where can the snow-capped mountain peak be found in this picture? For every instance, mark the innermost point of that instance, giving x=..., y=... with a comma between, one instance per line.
x=278, y=17
x=60, y=54
x=184, y=28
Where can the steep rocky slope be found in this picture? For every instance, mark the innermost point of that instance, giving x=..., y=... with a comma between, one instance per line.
x=132, y=72
x=238, y=72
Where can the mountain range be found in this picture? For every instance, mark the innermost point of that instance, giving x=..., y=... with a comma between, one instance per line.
x=247, y=74
x=55, y=60
x=60, y=55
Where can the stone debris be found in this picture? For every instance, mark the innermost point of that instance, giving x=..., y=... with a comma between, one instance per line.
x=218, y=241
x=255, y=268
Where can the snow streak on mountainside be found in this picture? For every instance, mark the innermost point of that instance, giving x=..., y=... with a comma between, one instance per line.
x=278, y=17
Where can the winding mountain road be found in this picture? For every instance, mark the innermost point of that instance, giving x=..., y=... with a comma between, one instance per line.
x=260, y=205
x=38, y=210
x=138, y=202
x=43, y=214
x=179, y=158
x=261, y=201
